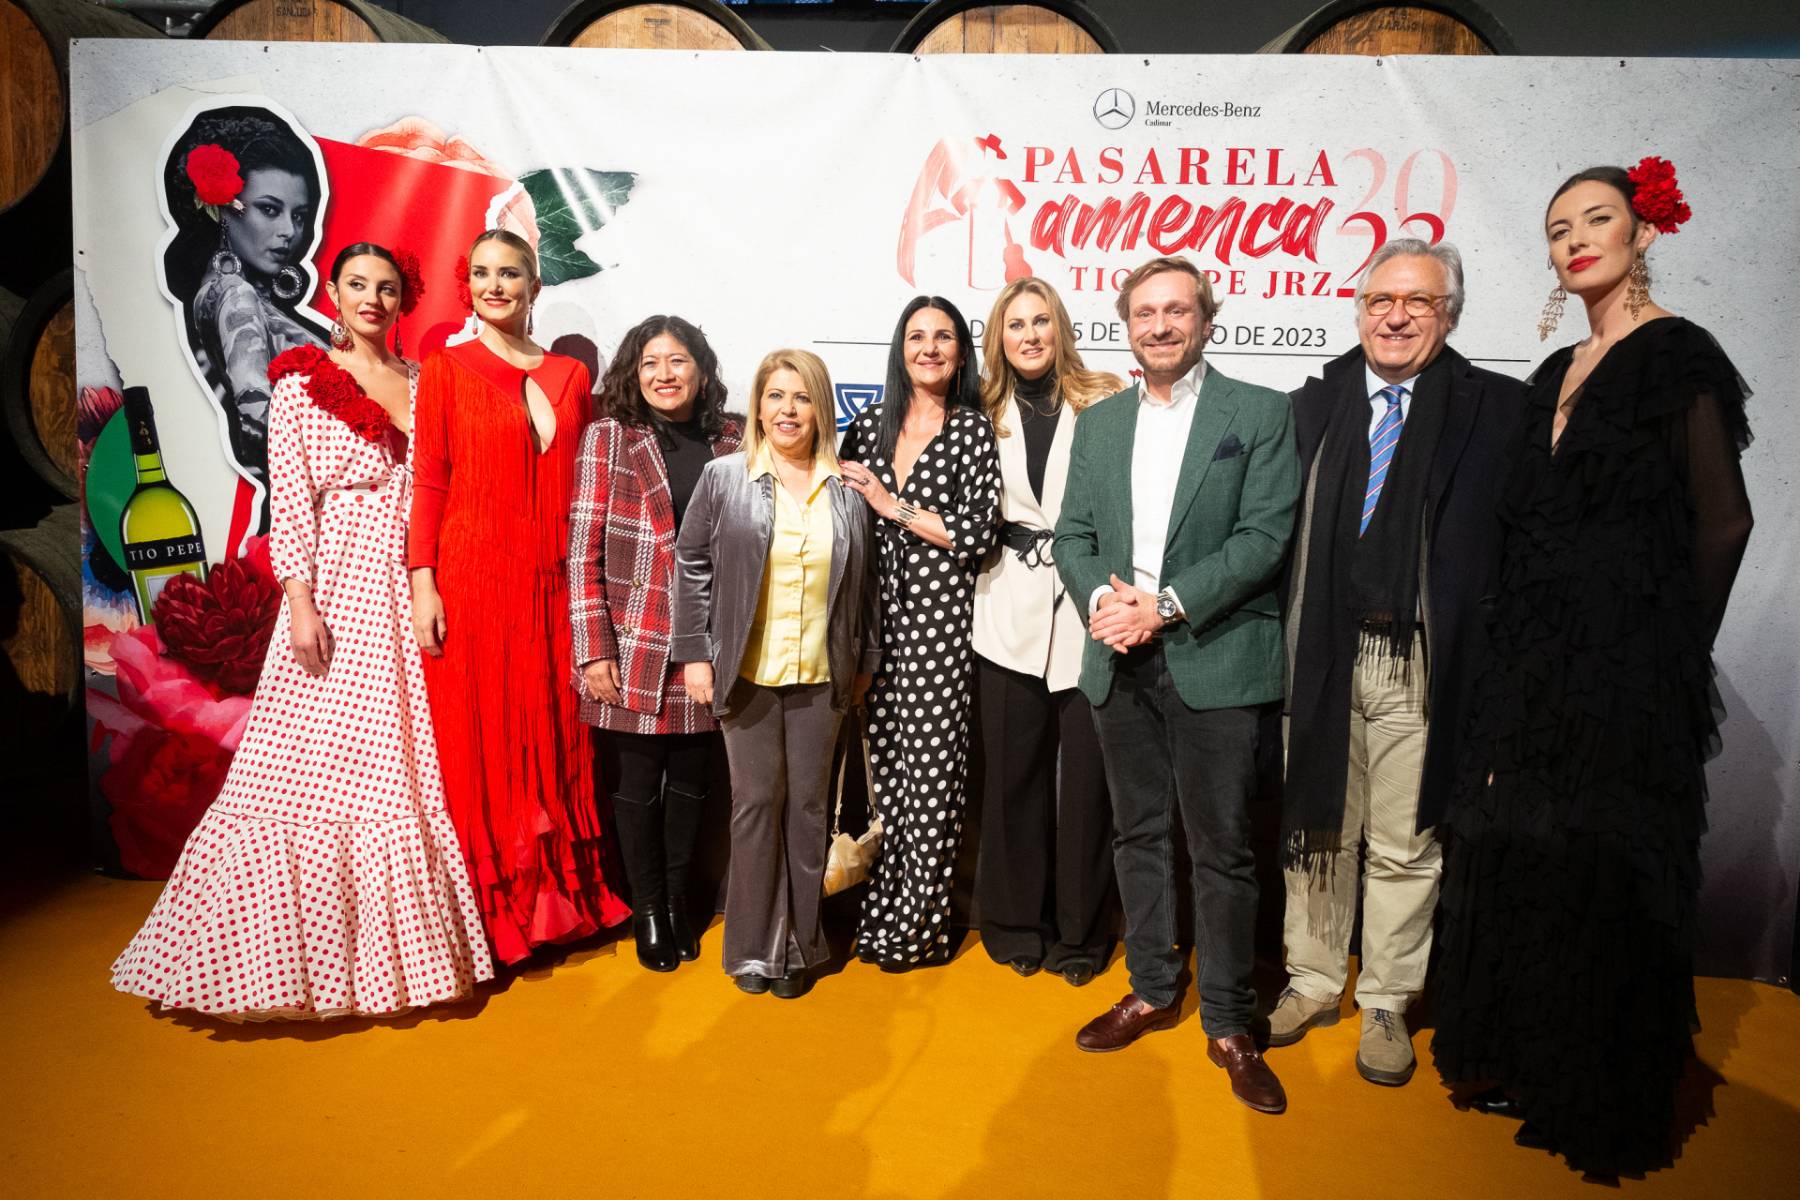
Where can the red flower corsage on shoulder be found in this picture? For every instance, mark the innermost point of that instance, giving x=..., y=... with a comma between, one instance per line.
x=334, y=390
x=1655, y=196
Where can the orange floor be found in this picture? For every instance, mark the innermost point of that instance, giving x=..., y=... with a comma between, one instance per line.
x=595, y=1078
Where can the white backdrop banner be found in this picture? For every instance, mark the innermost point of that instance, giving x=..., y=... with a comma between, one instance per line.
x=800, y=199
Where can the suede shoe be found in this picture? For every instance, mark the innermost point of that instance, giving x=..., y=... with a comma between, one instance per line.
x=1252, y=1082
x=1123, y=1024
x=1295, y=1013
x=1385, y=1054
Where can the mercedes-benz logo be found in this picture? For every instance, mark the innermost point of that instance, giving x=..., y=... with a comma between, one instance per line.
x=1114, y=108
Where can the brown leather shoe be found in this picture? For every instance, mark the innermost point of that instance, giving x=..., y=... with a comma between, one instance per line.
x=1252, y=1082
x=1123, y=1024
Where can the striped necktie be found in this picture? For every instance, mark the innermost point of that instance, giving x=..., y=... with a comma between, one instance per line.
x=1381, y=451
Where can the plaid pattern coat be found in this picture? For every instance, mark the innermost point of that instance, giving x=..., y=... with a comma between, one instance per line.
x=621, y=576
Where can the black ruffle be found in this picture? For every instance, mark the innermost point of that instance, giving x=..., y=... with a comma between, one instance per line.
x=1570, y=883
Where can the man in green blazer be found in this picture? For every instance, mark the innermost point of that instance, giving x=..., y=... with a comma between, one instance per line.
x=1175, y=522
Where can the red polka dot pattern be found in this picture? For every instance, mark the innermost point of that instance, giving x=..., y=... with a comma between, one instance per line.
x=326, y=879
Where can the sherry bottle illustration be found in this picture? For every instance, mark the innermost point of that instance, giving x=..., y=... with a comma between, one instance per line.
x=158, y=526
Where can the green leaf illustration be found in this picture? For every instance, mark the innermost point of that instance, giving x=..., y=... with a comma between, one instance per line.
x=571, y=202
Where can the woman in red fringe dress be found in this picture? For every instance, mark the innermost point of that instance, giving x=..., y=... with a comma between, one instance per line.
x=499, y=421
x=325, y=880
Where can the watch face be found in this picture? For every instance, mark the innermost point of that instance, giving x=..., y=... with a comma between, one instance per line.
x=1165, y=608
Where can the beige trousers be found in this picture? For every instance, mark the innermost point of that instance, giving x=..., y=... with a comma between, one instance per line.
x=1399, y=870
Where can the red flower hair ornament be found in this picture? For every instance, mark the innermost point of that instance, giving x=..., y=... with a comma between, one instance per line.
x=1655, y=197
x=213, y=170
x=465, y=297
x=412, y=281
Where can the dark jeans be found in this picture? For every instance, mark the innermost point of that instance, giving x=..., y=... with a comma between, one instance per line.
x=1160, y=753
x=1045, y=885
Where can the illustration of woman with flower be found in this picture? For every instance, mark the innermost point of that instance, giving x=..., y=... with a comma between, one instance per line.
x=327, y=878
x=1570, y=902
x=243, y=189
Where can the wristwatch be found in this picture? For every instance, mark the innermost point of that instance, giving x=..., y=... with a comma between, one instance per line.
x=1166, y=608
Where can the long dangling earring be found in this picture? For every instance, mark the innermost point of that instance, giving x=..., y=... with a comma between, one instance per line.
x=398, y=353
x=530, y=320
x=340, y=337
x=288, y=285
x=1637, y=286
x=224, y=262
x=1553, y=310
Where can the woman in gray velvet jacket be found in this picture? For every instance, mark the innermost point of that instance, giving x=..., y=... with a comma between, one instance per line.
x=777, y=608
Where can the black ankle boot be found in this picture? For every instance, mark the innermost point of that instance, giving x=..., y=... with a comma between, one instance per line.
x=681, y=830
x=655, y=941
x=641, y=846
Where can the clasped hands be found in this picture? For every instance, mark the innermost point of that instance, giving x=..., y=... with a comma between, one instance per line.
x=1124, y=617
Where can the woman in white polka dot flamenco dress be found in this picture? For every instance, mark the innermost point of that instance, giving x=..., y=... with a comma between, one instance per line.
x=925, y=459
x=326, y=879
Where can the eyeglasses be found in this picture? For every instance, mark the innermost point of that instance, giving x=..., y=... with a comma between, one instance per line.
x=1418, y=304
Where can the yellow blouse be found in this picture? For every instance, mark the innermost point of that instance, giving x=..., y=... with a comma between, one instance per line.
x=787, y=635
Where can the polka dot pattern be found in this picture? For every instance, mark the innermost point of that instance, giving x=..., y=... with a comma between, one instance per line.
x=919, y=704
x=326, y=879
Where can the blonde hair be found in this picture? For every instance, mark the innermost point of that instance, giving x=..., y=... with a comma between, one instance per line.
x=817, y=382
x=1074, y=381
x=1209, y=304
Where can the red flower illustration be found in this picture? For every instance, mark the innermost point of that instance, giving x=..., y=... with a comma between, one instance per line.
x=213, y=170
x=172, y=738
x=221, y=628
x=1656, y=198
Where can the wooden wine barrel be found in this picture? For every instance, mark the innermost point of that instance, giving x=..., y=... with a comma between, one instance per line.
x=1362, y=27
x=623, y=24
x=967, y=27
x=309, y=21
x=40, y=625
x=37, y=384
x=34, y=86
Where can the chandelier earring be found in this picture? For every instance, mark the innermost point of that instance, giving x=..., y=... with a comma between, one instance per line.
x=1637, y=286
x=530, y=320
x=340, y=337
x=1553, y=311
x=398, y=352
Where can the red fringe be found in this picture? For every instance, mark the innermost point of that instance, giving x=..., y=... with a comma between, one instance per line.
x=517, y=761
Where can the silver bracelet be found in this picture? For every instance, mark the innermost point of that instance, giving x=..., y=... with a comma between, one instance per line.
x=904, y=514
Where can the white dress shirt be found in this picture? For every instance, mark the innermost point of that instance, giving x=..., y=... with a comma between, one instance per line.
x=1156, y=454
x=1378, y=406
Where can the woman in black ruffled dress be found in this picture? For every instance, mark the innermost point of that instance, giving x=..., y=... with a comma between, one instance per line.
x=1572, y=865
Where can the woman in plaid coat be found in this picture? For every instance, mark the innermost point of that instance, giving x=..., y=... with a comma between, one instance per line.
x=665, y=419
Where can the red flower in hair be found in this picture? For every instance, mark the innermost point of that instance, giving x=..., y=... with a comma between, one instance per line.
x=334, y=390
x=1655, y=196
x=213, y=170
x=412, y=280
x=463, y=294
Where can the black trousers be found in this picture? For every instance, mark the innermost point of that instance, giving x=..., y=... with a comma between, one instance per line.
x=1160, y=753
x=1044, y=888
x=659, y=783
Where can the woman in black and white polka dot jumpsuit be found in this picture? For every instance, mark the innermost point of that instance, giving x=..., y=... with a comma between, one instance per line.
x=924, y=457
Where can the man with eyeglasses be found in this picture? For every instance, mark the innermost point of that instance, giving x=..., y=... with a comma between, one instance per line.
x=1401, y=445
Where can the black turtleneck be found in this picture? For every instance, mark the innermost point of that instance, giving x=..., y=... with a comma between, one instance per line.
x=1035, y=400
x=685, y=451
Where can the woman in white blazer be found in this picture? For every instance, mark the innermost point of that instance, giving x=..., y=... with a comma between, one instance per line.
x=1045, y=885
